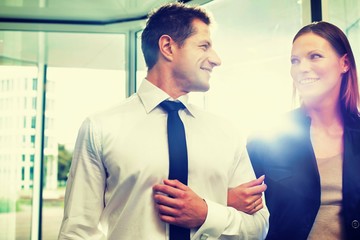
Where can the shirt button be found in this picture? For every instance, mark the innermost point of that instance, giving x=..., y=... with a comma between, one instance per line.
x=204, y=236
x=355, y=224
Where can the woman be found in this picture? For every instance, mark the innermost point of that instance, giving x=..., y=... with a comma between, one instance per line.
x=313, y=169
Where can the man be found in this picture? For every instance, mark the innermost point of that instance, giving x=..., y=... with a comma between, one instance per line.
x=118, y=185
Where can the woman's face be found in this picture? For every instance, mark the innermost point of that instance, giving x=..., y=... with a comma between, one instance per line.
x=316, y=69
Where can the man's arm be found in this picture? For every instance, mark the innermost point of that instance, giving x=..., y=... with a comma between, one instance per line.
x=185, y=208
x=178, y=204
x=84, y=200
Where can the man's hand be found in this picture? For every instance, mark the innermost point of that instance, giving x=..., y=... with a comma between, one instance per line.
x=247, y=197
x=177, y=204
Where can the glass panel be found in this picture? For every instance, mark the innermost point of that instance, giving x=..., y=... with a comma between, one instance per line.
x=141, y=68
x=77, y=94
x=346, y=15
x=253, y=80
x=85, y=74
x=253, y=39
x=17, y=149
x=73, y=94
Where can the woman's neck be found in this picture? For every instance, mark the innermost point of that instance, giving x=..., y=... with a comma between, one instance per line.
x=325, y=116
x=326, y=131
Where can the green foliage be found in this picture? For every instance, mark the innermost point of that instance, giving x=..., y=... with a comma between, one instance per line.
x=64, y=162
x=7, y=206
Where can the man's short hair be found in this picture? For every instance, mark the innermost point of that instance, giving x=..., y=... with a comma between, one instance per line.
x=173, y=19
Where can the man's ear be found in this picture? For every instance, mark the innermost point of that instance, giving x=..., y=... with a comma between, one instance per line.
x=166, y=45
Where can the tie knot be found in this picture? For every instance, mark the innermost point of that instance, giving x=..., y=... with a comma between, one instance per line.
x=170, y=106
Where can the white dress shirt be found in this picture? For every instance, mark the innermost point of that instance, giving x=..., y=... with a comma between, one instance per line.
x=121, y=153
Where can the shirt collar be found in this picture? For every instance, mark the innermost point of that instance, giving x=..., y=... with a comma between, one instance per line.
x=151, y=96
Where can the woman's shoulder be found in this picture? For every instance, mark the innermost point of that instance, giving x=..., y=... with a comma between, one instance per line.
x=275, y=128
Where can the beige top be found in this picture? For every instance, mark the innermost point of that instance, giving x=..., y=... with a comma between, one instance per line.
x=328, y=225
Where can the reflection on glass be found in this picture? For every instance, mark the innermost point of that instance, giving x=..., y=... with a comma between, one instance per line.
x=253, y=39
x=346, y=15
x=17, y=149
x=90, y=78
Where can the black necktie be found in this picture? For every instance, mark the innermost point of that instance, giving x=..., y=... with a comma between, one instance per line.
x=178, y=160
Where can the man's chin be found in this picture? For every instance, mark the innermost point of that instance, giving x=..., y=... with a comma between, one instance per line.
x=201, y=88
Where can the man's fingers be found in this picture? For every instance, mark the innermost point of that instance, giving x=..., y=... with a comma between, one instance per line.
x=161, y=198
x=167, y=219
x=163, y=189
x=166, y=210
x=167, y=214
x=172, y=188
x=175, y=183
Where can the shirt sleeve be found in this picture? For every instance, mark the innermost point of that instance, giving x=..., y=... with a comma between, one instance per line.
x=84, y=196
x=224, y=222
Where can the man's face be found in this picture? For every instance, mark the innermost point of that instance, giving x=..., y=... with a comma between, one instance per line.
x=194, y=60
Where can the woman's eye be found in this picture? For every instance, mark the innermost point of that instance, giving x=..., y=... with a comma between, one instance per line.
x=315, y=56
x=294, y=61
